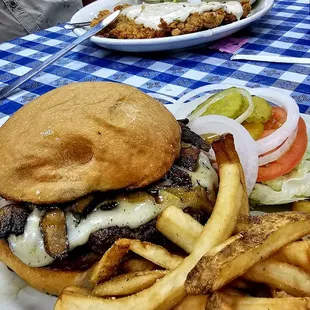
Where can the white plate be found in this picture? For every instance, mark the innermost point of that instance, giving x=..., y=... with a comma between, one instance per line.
x=261, y=7
x=16, y=295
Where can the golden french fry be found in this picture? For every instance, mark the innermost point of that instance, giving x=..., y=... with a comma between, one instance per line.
x=127, y=284
x=179, y=227
x=301, y=206
x=193, y=302
x=155, y=253
x=276, y=293
x=242, y=284
x=252, y=303
x=111, y=259
x=291, y=279
x=252, y=246
x=79, y=290
x=136, y=265
x=296, y=253
x=219, y=301
x=224, y=149
x=169, y=291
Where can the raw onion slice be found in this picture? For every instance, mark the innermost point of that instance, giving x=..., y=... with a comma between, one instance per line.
x=266, y=159
x=244, y=143
x=272, y=141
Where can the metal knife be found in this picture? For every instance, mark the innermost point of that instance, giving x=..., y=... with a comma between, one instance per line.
x=4, y=92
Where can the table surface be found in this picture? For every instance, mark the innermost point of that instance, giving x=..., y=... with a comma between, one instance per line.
x=284, y=31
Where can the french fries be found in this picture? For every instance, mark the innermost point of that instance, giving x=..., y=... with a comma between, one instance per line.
x=78, y=290
x=222, y=301
x=301, y=206
x=276, y=293
x=179, y=227
x=136, y=265
x=169, y=291
x=291, y=279
x=127, y=284
x=224, y=149
x=155, y=254
x=109, y=262
x=297, y=254
x=258, y=243
x=194, y=302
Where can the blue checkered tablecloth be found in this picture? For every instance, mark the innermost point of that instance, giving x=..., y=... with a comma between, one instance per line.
x=284, y=31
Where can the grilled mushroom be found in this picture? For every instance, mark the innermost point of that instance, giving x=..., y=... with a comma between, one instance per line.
x=13, y=219
x=54, y=231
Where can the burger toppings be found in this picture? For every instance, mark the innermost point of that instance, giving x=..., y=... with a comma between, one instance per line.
x=177, y=176
x=101, y=240
x=192, y=138
x=189, y=158
x=54, y=231
x=125, y=211
x=13, y=219
x=83, y=206
x=28, y=246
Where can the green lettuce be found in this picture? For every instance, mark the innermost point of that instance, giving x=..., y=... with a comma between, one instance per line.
x=291, y=187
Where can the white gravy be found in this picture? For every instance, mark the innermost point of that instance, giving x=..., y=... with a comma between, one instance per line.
x=149, y=15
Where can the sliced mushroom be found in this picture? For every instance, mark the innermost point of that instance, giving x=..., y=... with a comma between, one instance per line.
x=13, y=219
x=54, y=231
x=83, y=206
x=108, y=205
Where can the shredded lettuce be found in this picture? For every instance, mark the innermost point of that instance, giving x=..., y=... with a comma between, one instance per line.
x=291, y=187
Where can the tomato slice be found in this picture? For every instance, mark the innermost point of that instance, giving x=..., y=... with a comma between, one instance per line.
x=290, y=159
x=277, y=119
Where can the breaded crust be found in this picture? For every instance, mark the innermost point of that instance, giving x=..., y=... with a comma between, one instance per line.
x=86, y=137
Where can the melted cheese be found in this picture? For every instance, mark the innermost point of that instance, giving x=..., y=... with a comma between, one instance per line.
x=150, y=15
x=204, y=175
x=29, y=247
x=126, y=213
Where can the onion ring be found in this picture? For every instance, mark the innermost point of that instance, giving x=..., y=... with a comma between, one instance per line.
x=272, y=141
x=266, y=159
x=244, y=143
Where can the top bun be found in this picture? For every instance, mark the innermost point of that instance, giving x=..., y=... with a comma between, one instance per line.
x=85, y=137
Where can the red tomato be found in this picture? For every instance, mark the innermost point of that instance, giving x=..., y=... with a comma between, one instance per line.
x=290, y=159
x=277, y=119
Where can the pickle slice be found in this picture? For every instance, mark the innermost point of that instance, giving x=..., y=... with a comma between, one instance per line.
x=262, y=111
x=255, y=129
x=229, y=102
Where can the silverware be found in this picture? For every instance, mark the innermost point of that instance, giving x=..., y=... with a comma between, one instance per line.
x=10, y=88
x=71, y=26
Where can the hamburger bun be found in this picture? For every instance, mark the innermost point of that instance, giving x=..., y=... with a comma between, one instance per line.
x=46, y=280
x=85, y=137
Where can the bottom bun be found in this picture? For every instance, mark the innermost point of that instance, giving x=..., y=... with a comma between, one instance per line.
x=46, y=280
